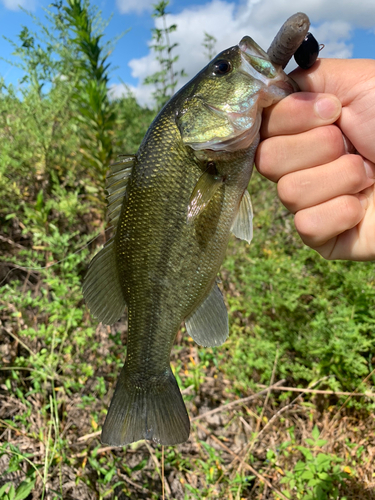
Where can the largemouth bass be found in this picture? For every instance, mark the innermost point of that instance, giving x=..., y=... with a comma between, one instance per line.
x=173, y=206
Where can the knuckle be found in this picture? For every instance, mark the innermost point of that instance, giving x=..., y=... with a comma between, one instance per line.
x=350, y=208
x=288, y=191
x=332, y=136
x=266, y=159
x=355, y=172
x=306, y=226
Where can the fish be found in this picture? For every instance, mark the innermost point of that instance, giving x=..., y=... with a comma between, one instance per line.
x=173, y=206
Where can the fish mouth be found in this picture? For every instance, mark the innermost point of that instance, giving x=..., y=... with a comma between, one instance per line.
x=273, y=85
x=240, y=138
x=257, y=64
x=234, y=124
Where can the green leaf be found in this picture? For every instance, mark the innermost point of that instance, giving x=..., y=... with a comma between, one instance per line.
x=3, y=488
x=24, y=489
x=286, y=493
x=315, y=432
x=313, y=482
x=300, y=466
x=11, y=492
x=306, y=452
x=307, y=475
x=324, y=476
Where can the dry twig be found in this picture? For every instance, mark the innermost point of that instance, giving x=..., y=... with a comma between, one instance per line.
x=247, y=466
x=11, y=242
x=237, y=402
x=321, y=391
x=290, y=405
x=88, y=436
x=157, y=464
x=132, y=483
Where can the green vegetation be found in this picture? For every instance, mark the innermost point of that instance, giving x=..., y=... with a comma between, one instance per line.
x=317, y=314
x=166, y=78
x=317, y=475
x=294, y=317
x=209, y=43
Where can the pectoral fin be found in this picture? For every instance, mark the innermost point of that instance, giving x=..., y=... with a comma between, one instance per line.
x=208, y=325
x=243, y=223
x=203, y=192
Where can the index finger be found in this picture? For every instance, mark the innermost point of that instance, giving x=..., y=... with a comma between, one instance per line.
x=298, y=113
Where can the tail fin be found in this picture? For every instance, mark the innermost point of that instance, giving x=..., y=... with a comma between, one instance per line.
x=155, y=411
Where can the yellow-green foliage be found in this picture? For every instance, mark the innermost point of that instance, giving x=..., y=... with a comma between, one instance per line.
x=317, y=314
x=58, y=131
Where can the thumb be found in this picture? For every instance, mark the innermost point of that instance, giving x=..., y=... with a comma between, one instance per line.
x=352, y=81
x=340, y=77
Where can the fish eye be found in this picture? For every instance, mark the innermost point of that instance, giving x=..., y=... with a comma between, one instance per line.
x=222, y=67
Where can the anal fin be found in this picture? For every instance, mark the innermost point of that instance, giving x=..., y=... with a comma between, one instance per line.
x=208, y=325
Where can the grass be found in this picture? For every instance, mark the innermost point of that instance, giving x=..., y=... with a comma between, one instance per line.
x=58, y=370
x=298, y=324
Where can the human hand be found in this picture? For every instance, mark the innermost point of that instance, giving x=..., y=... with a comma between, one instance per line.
x=328, y=188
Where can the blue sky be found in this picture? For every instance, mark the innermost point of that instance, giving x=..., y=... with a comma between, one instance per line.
x=347, y=29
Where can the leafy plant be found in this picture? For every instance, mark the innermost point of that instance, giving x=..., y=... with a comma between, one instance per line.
x=95, y=112
x=167, y=78
x=209, y=43
x=317, y=476
x=316, y=313
x=9, y=491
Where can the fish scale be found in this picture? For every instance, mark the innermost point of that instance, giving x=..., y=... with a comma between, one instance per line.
x=183, y=193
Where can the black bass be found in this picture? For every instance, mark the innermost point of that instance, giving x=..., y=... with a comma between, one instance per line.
x=173, y=206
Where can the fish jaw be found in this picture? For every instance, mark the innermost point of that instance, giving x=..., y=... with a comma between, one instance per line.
x=231, y=121
x=257, y=64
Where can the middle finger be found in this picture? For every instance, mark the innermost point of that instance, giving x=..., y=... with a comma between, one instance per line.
x=347, y=175
x=280, y=155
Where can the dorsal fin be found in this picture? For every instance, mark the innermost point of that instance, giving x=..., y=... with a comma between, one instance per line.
x=117, y=181
x=102, y=287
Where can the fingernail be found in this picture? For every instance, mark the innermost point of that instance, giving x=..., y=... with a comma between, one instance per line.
x=370, y=169
x=363, y=200
x=328, y=108
x=349, y=148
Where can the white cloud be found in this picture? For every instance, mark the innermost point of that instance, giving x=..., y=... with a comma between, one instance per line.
x=332, y=25
x=16, y=4
x=138, y=6
x=143, y=94
x=335, y=35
